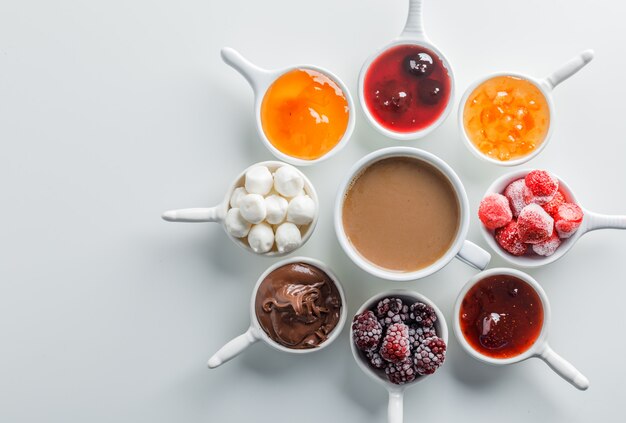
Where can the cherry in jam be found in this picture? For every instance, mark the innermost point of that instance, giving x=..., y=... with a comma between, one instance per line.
x=501, y=316
x=406, y=88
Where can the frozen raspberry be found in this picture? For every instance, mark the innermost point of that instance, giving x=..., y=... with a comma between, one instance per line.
x=366, y=331
x=494, y=211
x=567, y=219
x=401, y=373
x=376, y=360
x=547, y=247
x=508, y=238
x=514, y=192
x=496, y=330
x=534, y=224
x=417, y=334
x=391, y=310
x=423, y=314
x=552, y=206
x=395, y=347
x=430, y=355
x=542, y=186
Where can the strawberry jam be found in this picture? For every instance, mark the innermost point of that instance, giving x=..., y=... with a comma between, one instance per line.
x=501, y=316
x=407, y=88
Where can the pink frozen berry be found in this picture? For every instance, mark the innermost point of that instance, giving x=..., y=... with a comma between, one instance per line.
x=547, y=247
x=508, y=238
x=567, y=219
x=514, y=192
x=534, y=224
x=495, y=211
x=541, y=186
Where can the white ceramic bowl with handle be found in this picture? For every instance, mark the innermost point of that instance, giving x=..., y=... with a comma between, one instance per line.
x=412, y=34
x=261, y=79
x=591, y=221
x=539, y=349
x=461, y=248
x=217, y=213
x=256, y=333
x=545, y=86
x=396, y=392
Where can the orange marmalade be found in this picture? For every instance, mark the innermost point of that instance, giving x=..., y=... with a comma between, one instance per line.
x=506, y=117
x=304, y=114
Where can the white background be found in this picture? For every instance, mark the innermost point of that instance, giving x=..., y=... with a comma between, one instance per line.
x=113, y=111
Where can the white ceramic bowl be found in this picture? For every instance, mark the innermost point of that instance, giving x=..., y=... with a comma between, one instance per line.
x=412, y=34
x=545, y=86
x=465, y=250
x=540, y=347
x=261, y=79
x=256, y=333
x=396, y=392
x=218, y=213
x=591, y=222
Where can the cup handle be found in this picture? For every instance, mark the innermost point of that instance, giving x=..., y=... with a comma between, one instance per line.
x=414, y=27
x=471, y=254
x=604, y=221
x=233, y=348
x=568, y=69
x=564, y=368
x=258, y=78
x=395, y=409
x=210, y=214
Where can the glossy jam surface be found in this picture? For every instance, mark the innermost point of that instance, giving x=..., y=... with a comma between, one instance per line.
x=406, y=88
x=304, y=114
x=506, y=117
x=501, y=316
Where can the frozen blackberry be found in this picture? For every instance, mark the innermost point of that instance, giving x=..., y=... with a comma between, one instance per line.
x=417, y=335
x=429, y=356
x=366, y=331
x=402, y=372
x=391, y=310
x=423, y=314
x=376, y=360
x=395, y=346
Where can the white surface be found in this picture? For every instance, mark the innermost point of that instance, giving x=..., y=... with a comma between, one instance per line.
x=112, y=112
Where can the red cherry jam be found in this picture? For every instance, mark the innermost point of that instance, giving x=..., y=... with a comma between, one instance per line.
x=501, y=316
x=406, y=88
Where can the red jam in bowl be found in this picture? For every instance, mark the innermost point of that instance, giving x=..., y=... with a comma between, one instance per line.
x=501, y=316
x=406, y=88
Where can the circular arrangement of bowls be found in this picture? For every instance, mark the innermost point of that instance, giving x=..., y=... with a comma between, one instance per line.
x=413, y=34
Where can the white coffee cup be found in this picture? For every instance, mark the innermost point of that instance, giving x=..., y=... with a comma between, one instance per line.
x=591, y=221
x=412, y=34
x=545, y=86
x=540, y=347
x=261, y=79
x=218, y=213
x=396, y=392
x=256, y=333
x=466, y=251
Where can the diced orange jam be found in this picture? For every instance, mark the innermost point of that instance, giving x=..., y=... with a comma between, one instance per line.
x=506, y=117
x=304, y=114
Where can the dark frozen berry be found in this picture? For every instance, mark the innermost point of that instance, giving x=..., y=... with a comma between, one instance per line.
x=392, y=96
x=430, y=91
x=420, y=64
x=366, y=331
x=376, y=360
x=401, y=373
x=495, y=330
x=391, y=310
x=430, y=355
x=423, y=314
x=395, y=346
x=417, y=335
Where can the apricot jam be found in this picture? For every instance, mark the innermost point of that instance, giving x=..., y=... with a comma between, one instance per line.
x=304, y=114
x=406, y=88
x=501, y=316
x=506, y=117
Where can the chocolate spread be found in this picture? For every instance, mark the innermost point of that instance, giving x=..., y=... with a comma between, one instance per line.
x=298, y=305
